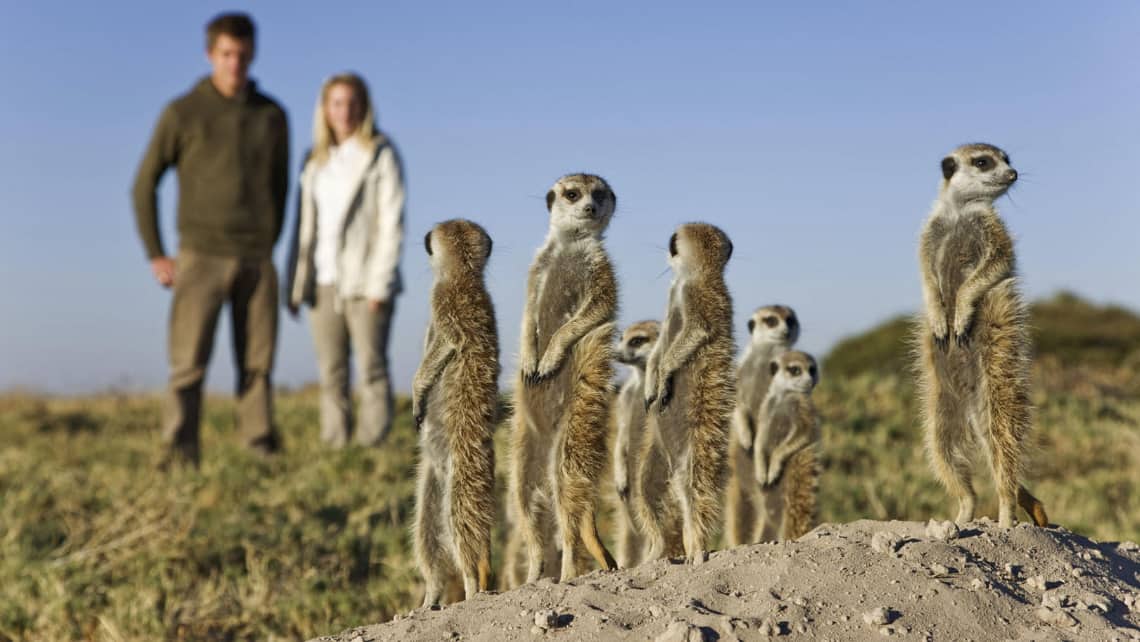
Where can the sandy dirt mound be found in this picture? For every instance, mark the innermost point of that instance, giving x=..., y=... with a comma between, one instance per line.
x=861, y=581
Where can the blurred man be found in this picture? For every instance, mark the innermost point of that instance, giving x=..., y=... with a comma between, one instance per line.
x=230, y=146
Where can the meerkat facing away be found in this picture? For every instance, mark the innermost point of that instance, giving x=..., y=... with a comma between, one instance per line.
x=772, y=330
x=784, y=452
x=558, y=449
x=454, y=402
x=974, y=345
x=689, y=393
x=629, y=422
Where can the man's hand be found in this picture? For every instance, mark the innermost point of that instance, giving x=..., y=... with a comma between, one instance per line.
x=163, y=269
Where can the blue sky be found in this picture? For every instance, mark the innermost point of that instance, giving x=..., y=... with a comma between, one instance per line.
x=811, y=132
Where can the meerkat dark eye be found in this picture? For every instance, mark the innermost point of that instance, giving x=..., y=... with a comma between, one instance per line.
x=771, y=321
x=751, y=326
x=637, y=342
x=427, y=243
x=673, y=245
x=795, y=371
x=572, y=195
x=983, y=163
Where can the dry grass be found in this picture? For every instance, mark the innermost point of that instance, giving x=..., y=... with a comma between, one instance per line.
x=95, y=543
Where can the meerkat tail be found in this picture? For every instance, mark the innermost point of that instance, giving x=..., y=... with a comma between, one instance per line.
x=1033, y=506
x=800, y=485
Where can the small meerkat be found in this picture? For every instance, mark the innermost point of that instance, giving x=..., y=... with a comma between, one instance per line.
x=689, y=394
x=562, y=395
x=974, y=344
x=629, y=422
x=454, y=402
x=784, y=451
x=772, y=330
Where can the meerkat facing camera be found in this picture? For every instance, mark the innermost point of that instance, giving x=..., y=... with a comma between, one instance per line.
x=454, y=402
x=974, y=344
x=689, y=393
x=784, y=452
x=772, y=330
x=629, y=423
x=558, y=446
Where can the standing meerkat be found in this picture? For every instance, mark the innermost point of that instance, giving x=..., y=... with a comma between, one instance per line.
x=974, y=345
x=784, y=451
x=629, y=421
x=772, y=331
x=558, y=446
x=689, y=393
x=454, y=399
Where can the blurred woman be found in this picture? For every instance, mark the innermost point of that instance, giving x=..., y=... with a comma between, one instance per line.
x=344, y=258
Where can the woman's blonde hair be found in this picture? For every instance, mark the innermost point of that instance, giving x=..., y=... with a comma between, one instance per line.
x=366, y=133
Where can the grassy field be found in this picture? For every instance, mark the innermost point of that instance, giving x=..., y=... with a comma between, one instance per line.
x=95, y=543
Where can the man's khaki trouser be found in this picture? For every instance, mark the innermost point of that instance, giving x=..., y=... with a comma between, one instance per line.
x=335, y=331
x=202, y=285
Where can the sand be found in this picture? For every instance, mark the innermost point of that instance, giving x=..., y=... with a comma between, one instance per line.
x=866, y=580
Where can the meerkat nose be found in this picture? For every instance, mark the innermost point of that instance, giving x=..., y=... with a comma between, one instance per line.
x=589, y=209
x=1011, y=175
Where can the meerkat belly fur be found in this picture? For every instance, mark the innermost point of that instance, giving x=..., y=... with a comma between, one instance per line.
x=558, y=449
x=455, y=395
x=772, y=330
x=690, y=390
x=974, y=344
x=785, y=455
x=629, y=426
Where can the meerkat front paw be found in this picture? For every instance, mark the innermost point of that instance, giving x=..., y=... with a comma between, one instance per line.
x=963, y=328
x=622, y=487
x=940, y=330
x=761, y=474
x=547, y=367
x=419, y=410
x=698, y=558
x=666, y=392
x=773, y=476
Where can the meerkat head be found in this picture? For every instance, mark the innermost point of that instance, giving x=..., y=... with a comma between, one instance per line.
x=637, y=342
x=774, y=324
x=581, y=204
x=977, y=171
x=795, y=371
x=699, y=248
x=457, y=245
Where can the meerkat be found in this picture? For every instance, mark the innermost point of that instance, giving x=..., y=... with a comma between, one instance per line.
x=558, y=448
x=772, y=330
x=454, y=403
x=689, y=394
x=629, y=422
x=974, y=344
x=785, y=462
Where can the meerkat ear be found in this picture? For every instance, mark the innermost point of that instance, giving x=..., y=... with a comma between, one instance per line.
x=751, y=325
x=729, y=241
x=549, y=200
x=490, y=245
x=949, y=166
x=427, y=242
x=773, y=368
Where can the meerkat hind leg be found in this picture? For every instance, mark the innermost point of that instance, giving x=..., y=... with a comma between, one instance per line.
x=946, y=432
x=431, y=550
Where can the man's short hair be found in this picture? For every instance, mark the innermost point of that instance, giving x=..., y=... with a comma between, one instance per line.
x=234, y=25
